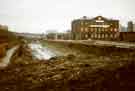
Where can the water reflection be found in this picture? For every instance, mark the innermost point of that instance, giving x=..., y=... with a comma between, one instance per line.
x=40, y=52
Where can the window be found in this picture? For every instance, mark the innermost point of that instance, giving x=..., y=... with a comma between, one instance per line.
x=111, y=35
x=111, y=29
x=103, y=30
x=86, y=23
x=86, y=35
x=106, y=29
x=86, y=29
x=103, y=36
x=106, y=35
x=115, y=36
x=81, y=29
x=95, y=35
x=99, y=30
x=81, y=23
x=115, y=29
x=99, y=36
x=95, y=30
x=92, y=36
x=99, y=18
x=92, y=29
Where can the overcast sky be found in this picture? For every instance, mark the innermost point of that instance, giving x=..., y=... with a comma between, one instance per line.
x=40, y=15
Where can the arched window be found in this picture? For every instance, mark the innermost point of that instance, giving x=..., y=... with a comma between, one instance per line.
x=111, y=35
x=82, y=23
x=115, y=36
x=92, y=36
x=86, y=35
x=91, y=29
x=115, y=30
x=99, y=36
x=82, y=29
x=95, y=35
x=106, y=35
x=102, y=35
x=86, y=29
x=111, y=29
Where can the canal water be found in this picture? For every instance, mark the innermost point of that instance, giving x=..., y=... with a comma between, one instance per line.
x=40, y=52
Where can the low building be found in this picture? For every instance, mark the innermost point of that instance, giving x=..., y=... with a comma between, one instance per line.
x=60, y=36
x=127, y=36
x=3, y=27
x=95, y=28
x=51, y=36
x=30, y=35
x=134, y=27
x=130, y=26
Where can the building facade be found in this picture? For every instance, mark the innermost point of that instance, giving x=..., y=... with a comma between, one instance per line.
x=96, y=28
x=127, y=36
x=130, y=26
x=134, y=27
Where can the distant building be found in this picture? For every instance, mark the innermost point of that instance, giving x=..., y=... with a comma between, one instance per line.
x=3, y=27
x=96, y=28
x=67, y=35
x=128, y=35
x=51, y=36
x=4, y=33
x=134, y=27
x=30, y=35
x=61, y=36
x=130, y=26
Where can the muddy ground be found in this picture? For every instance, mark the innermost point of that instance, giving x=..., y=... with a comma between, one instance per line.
x=74, y=71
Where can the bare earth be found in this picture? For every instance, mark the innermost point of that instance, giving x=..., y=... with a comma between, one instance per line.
x=73, y=71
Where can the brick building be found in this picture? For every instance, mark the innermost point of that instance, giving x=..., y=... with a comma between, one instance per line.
x=95, y=28
x=127, y=36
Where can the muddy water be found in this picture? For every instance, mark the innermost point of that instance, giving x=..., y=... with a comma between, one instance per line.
x=40, y=52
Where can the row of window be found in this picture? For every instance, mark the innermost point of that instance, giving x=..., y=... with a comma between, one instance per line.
x=98, y=29
x=101, y=36
x=90, y=23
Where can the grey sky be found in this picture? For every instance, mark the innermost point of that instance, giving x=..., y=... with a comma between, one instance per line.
x=40, y=15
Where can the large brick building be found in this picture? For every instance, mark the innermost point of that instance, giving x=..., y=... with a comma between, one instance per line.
x=95, y=28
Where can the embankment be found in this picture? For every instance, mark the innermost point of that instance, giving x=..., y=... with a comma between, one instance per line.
x=90, y=47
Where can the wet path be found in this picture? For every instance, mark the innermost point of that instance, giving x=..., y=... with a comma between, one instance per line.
x=6, y=60
x=40, y=52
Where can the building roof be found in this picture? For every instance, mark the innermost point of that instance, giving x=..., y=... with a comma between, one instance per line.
x=95, y=18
